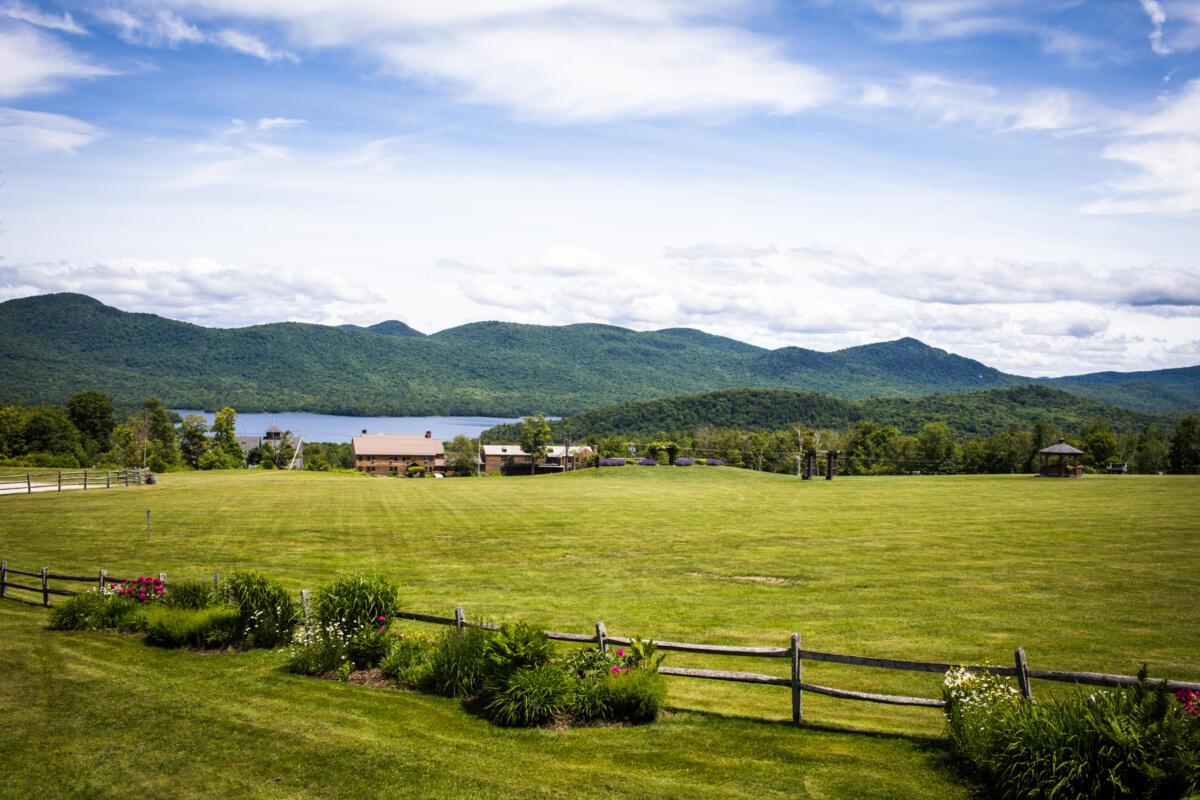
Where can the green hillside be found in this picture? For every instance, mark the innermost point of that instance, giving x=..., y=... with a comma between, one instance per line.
x=54, y=345
x=974, y=413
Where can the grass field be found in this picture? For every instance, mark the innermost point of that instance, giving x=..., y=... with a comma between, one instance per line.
x=1100, y=573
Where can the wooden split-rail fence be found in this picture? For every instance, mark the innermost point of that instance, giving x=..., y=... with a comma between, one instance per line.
x=30, y=482
x=791, y=651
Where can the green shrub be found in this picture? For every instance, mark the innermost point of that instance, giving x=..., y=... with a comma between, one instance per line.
x=533, y=695
x=1136, y=742
x=408, y=660
x=515, y=647
x=95, y=611
x=192, y=595
x=589, y=700
x=319, y=650
x=181, y=627
x=367, y=647
x=267, y=613
x=357, y=601
x=456, y=665
x=634, y=695
x=78, y=613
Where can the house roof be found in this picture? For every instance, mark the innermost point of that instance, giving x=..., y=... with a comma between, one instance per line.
x=384, y=444
x=554, y=451
x=1061, y=449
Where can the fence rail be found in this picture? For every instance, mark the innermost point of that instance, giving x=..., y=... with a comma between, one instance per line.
x=29, y=482
x=796, y=655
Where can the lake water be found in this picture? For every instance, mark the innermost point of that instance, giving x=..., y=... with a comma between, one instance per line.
x=333, y=428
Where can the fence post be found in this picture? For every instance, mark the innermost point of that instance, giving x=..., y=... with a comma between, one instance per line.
x=85, y=480
x=108, y=479
x=60, y=480
x=601, y=637
x=305, y=604
x=103, y=579
x=28, y=483
x=1023, y=674
x=460, y=617
x=3, y=577
x=46, y=586
x=162, y=576
x=797, y=692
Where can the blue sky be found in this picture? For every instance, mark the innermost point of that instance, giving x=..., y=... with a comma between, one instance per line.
x=1015, y=181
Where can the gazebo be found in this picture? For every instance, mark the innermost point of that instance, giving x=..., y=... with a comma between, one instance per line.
x=1061, y=461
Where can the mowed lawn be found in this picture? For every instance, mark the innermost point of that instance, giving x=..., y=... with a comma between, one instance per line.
x=1100, y=574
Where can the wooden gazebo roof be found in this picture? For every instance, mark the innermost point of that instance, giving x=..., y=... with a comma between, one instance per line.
x=1061, y=448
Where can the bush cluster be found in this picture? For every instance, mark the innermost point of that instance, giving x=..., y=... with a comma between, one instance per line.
x=516, y=676
x=352, y=615
x=215, y=626
x=1137, y=742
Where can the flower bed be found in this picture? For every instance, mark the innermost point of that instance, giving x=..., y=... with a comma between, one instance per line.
x=647, y=462
x=683, y=462
x=612, y=462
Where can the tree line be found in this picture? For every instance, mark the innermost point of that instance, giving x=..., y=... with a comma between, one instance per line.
x=871, y=448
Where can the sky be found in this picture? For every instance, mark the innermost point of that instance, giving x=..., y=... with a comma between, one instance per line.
x=1015, y=181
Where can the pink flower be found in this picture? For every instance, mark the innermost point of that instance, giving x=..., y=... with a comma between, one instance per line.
x=620, y=652
x=615, y=670
x=381, y=618
x=382, y=629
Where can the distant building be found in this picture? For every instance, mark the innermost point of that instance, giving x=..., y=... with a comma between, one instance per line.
x=510, y=459
x=385, y=454
x=274, y=436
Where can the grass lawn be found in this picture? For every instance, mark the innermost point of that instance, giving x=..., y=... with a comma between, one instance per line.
x=1100, y=573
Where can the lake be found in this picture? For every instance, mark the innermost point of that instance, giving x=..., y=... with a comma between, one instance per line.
x=334, y=428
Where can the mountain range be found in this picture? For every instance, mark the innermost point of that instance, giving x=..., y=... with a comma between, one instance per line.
x=54, y=345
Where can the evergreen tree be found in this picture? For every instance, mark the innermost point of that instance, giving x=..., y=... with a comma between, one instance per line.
x=193, y=439
x=1185, y=447
x=1150, y=452
x=93, y=415
x=224, y=452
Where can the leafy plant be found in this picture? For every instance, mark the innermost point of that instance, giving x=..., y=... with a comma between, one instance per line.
x=266, y=611
x=532, y=695
x=191, y=595
x=1137, y=742
x=319, y=650
x=408, y=660
x=634, y=695
x=77, y=613
x=514, y=647
x=356, y=601
x=367, y=647
x=456, y=666
x=180, y=627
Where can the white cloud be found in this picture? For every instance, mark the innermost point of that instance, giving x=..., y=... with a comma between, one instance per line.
x=1154, y=11
x=604, y=71
x=935, y=277
x=947, y=101
x=1162, y=152
x=32, y=62
x=38, y=131
x=197, y=290
x=17, y=10
x=159, y=29
x=280, y=123
x=250, y=45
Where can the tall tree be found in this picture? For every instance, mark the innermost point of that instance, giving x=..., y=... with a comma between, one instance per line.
x=535, y=437
x=224, y=452
x=935, y=446
x=193, y=439
x=1150, y=452
x=94, y=416
x=1099, y=442
x=462, y=455
x=1185, y=447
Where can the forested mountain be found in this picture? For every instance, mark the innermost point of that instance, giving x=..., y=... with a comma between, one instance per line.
x=54, y=345
x=970, y=413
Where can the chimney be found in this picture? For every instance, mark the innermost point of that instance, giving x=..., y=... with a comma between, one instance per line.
x=364, y=431
x=428, y=434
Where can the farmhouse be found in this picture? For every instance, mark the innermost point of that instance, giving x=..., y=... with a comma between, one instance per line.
x=385, y=454
x=510, y=459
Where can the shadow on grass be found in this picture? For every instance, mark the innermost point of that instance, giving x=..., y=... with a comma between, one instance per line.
x=922, y=739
